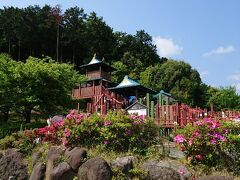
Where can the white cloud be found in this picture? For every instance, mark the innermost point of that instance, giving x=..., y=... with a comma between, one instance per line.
x=237, y=85
x=235, y=77
x=166, y=47
x=220, y=50
x=204, y=74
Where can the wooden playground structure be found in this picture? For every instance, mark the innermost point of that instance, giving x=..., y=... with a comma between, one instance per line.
x=102, y=95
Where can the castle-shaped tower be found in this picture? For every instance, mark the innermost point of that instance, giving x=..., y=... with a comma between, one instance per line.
x=95, y=89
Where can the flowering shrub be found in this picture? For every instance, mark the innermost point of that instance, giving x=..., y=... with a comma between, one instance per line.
x=205, y=142
x=201, y=141
x=116, y=131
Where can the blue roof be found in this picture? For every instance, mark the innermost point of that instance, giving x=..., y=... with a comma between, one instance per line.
x=127, y=82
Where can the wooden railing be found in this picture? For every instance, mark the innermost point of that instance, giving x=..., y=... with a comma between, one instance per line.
x=93, y=74
x=86, y=92
x=98, y=74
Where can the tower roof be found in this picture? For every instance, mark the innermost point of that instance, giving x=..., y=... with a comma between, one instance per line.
x=95, y=63
x=129, y=87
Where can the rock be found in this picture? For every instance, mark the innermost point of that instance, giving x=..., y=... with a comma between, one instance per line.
x=14, y=153
x=12, y=167
x=35, y=157
x=156, y=168
x=176, y=166
x=124, y=164
x=76, y=157
x=38, y=172
x=163, y=173
x=1, y=155
x=55, y=152
x=215, y=178
x=62, y=172
x=176, y=153
x=95, y=169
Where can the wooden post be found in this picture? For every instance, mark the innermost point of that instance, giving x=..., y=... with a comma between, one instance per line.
x=78, y=107
x=160, y=100
x=167, y=101
x=152, y=109
x=148, y=104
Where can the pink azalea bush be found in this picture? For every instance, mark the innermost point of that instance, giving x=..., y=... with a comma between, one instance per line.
x=116, y=131
x=206, y=142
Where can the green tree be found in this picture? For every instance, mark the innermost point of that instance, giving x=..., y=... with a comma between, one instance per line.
x=74, y=31
x=99, y=37
x=7, y=86
x=176, y=77
x=43, y=86
x=223, y=98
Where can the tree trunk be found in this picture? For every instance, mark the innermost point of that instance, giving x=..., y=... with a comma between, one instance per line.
x=9, y=47
x=5, y=116
x=28, y=115
x=57, y=42
x=73, y=57
x=19, y=50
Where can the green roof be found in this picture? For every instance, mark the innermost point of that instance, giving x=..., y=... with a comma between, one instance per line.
x=129, y=86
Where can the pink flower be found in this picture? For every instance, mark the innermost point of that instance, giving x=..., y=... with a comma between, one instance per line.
x=198, y=123
x=207, y=120
x=133, y=116
x=196, y=134
x=69, y=116
x=179, y=138
x=181, y=171
x=214, y=125
x=60, y=123
x=190, y=142
x=64, y=141
x=67, y=132
x=213, y=141
x=199, y=157
x=105, y=142
x=73, y=112
x=107, y=123
x=225, y=131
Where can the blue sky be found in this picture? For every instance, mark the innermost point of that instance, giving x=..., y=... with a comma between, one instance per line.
x=204, y=33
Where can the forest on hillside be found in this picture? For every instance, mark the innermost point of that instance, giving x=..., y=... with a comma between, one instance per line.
x=74, y=36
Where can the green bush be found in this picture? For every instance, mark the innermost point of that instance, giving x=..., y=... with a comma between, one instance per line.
x=22, y=140
x=116, y=131
x=12, y=127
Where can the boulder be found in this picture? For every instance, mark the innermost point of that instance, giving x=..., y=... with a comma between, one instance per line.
x=124, y=163
x=38, y=172
x=76, y=157
x=215, y=178
x=55, y=152
x=35, y=157
x=165, y=169
x=175, y=153
x=95, y=169
x=62, y=172
x=12, y=167
x=163, y=173
x=14, y=153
